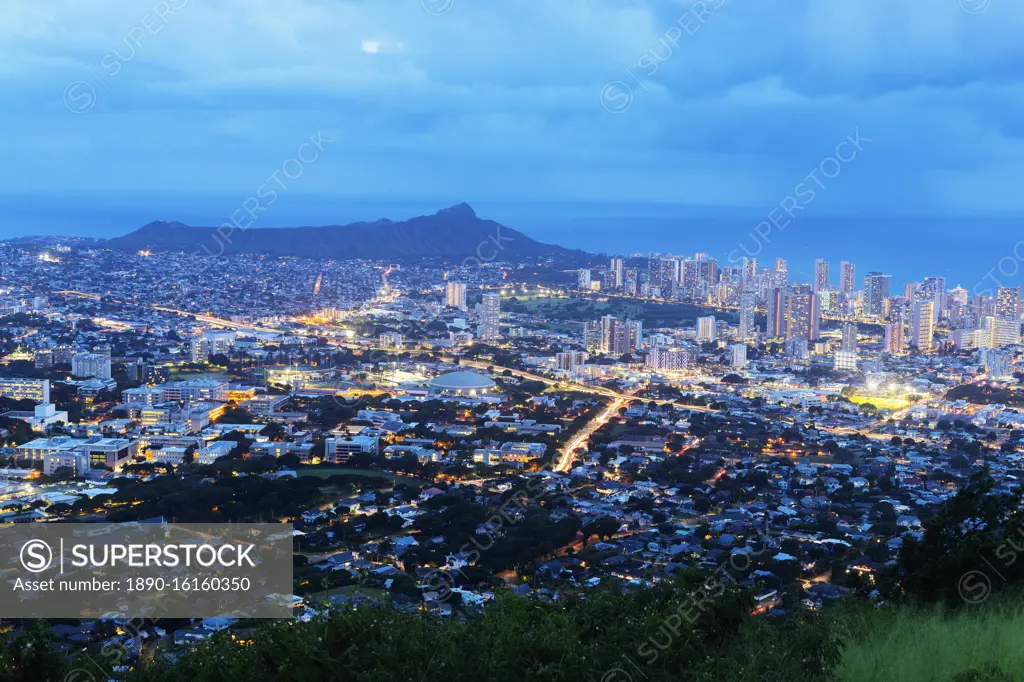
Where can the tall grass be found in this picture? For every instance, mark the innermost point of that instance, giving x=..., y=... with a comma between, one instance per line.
x=911, y=644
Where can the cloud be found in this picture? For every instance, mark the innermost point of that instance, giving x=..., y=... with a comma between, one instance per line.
x=730, y=102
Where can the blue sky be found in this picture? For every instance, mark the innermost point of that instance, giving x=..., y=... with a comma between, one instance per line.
x=722, y=103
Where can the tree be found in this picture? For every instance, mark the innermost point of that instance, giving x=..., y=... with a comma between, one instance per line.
x=30, y=655
x=235, y=415
x=274, y=431
x=289, y=461
x=966, y=537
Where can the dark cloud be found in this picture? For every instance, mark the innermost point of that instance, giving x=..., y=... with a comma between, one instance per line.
x=718, y=102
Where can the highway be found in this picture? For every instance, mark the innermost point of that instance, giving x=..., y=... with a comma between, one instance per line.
x=201, y=317
x=567, y=455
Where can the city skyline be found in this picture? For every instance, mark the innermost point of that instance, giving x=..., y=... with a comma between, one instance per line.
x=988, y=257
x=604, y=405
x=571, y=340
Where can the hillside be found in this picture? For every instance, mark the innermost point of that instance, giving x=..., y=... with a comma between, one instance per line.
x=455, y=232
x=663, y=634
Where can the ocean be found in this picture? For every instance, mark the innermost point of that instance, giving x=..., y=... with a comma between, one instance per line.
x=975, y=252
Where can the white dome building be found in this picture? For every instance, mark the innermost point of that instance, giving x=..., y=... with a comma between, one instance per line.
x=461, y=383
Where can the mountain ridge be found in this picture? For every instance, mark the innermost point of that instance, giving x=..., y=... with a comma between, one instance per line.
x=456, y=231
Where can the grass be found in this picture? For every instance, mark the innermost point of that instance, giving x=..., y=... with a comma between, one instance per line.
x=328, y=471
x=880, y=402
x=918, y=644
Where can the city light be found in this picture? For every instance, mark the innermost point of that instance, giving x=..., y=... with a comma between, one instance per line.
x=634, y=408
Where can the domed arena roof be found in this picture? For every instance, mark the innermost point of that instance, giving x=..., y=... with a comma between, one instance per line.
x=462, y=381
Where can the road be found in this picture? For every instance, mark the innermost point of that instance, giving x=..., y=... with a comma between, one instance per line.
x=582, y=388
x=567, y=455
x=475, y=364
x=201, y=317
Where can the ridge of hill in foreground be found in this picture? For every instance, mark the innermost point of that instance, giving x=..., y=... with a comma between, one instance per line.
x=453, y=232
x=610, y=636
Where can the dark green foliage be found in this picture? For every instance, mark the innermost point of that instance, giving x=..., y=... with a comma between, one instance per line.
x=690, y=631
x=646, y=635
x=31, y=656
x=970, y=548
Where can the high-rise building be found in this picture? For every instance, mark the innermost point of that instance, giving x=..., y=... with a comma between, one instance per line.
x=746, y=330
x=802, y=314
x=663, y=274
x=630, y=279
x=993, y=332
x=959, y=295
x=780, y=265
x=609, y=329
x=628, y=337
x=220, y=341
x=895, y=342
x=90, y=365
x=199, y=349
x=490, y=317
x=779, y=279
x=731, y=282
x=699, y=276
x=455, y=295
x=845, y=361
x=634, y=335
x=614, y=337
x=668, y=358
x=707, y=328
x=849, y=337
x=820, y=280
x=934, y=288
x=970, y=339
x=690, y=275
x=749, y=272
x=829, y=300
x=1001, y=332
x=583, y=279
x=43, y=358
x=569, y=361
x=796, y=348
x=617, y=266
x=776, y=313
x=847, y=274
x=922, y=325
x=1008, y=303
x=592, y=335
x=36, y=390
x=876, y=291
x=983, y=306
x=392, y=340
x=998, y=364
x=708, y=275
x=738, y=355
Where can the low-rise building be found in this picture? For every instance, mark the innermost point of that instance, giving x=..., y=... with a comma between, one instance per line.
x=337, y=450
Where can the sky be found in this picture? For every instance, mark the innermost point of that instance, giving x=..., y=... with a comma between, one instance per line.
x=883, y=107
